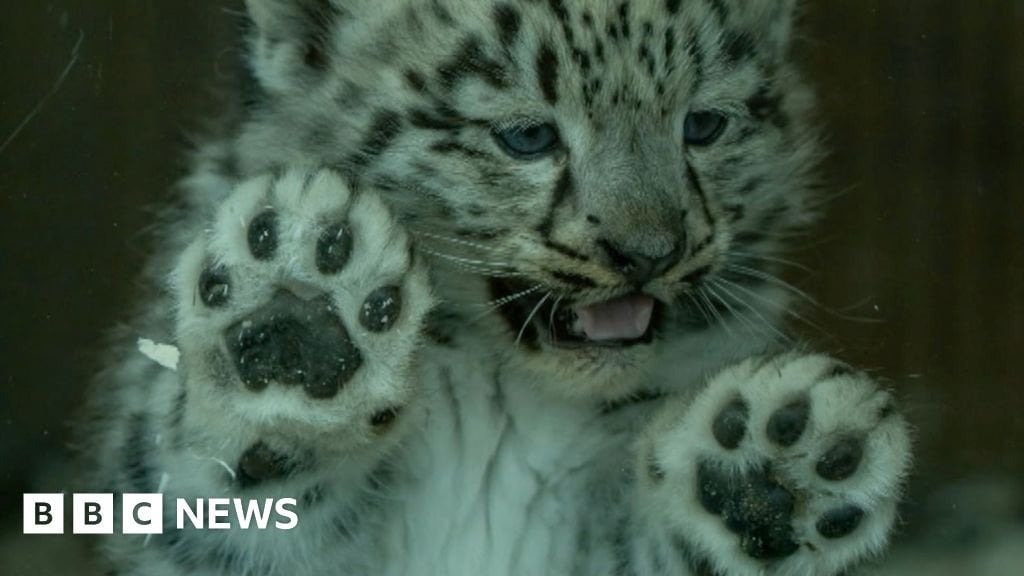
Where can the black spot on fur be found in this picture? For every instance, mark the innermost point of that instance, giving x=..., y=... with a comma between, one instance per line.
x=564, y=187
x=177, y=416
x=634, y=399
x=508, y=21
x=751, y=186
x=312, y=497
x=670, y=44
x=547, y=73
x=441, y=12
x=720, y=10
x=700, y=246
x=697, y=58
x=559, y=10
x=647, y=59
x=439, y=120
x=739, y=47
x=319, y=18
x=385, y=126
x=448, y=147
x=315, y=56
x=470, y=61
x=581, y=58
x=624, y=24
x=673, y=6
x=698, y=189
x=697, y=275
x=416, y=81
x=138, y=469
x=654, y=470
x=566, y=251
x=736, y=212
x=574, y=280
x=766, y=105
x=441, y=326
x=482, y=235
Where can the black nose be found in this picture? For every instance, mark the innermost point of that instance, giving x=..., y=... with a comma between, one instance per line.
x=638, y=266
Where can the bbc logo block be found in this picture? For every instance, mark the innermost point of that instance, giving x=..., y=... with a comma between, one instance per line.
x=43, y=514
x=93, y=514
x=143, y=514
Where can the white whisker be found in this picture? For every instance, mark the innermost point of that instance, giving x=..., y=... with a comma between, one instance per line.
x=781, y=307
x=481, y=267
x=772, y=279
x=720, y=283
x=496, y=304
x=530, y=317
x=732, y=311
x=551, y=319
x=714, y=311
x=773, y=259
x=457, y=241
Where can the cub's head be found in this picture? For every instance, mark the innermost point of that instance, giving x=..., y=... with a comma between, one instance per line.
x=612, y=177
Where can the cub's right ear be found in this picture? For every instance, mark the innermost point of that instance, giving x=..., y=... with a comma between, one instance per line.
x=293, y=39
x=283, y=19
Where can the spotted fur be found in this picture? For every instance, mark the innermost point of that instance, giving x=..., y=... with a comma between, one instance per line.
x=455, y=435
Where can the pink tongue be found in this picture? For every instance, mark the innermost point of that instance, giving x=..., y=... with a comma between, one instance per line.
x=625, y=318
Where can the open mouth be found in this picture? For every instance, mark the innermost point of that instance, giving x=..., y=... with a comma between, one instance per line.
x=619, y=322
x=616, y=323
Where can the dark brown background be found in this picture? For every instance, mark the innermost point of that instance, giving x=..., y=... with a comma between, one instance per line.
x=919, y=266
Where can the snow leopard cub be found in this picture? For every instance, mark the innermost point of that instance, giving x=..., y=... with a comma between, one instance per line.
x=488, y=287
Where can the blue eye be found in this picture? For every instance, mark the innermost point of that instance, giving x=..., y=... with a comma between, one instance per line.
x=703, y=128
x=528, y=142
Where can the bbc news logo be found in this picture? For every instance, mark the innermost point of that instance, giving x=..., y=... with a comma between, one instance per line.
x=144, y=514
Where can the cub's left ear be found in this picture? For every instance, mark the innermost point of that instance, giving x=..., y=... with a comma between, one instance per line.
x=771, y=21
x=777, y=17
x=293, y=38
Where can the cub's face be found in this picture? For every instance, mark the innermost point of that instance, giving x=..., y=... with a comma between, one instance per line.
x=603, y=174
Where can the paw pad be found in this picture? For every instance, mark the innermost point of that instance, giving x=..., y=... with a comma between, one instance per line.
x=383, y=420
x=730, y=426
x=296, y=343
x=262, y=236
x=840, y=522
x=754, y=506
x=842, y=460
x=333, y=249
x=787, y=425
x=381, y=309
x=259, y=464
x=214, y=286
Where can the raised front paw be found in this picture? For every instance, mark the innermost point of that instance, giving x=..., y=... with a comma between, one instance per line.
x=784, y=465
x=300, y=312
